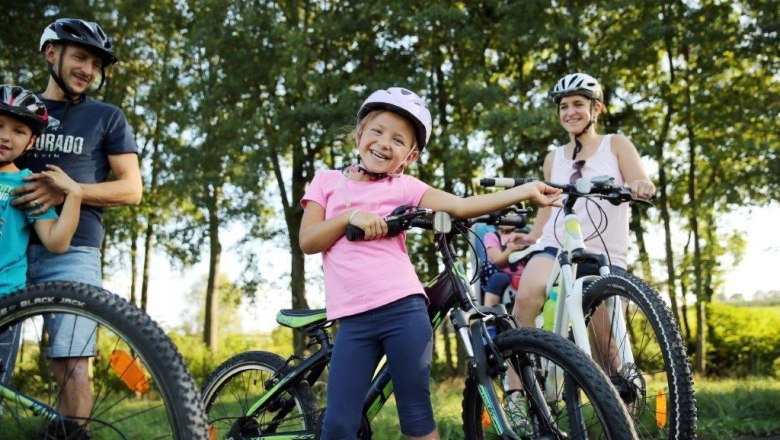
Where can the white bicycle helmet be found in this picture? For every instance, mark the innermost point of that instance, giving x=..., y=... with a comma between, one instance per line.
x=577, y=84
x=407, y=104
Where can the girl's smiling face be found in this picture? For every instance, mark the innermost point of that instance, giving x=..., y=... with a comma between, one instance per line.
x=15, y=137
x=386, y=142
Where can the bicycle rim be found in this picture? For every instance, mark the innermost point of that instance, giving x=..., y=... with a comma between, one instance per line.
x=140, y=385
x=237, y=385
x=657, y=387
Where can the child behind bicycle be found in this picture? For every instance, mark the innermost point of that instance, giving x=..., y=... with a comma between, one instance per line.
x=23, y=117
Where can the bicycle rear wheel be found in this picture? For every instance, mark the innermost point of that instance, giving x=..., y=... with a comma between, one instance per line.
x=581, y=402
x=235, y=386
x=658, y=387
x=141, y=387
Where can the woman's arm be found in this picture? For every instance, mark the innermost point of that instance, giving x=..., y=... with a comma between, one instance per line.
x=630, y=165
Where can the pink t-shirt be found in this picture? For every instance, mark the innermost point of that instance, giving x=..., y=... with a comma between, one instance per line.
x=491, y=241
x=363, y=275
x=602, y=162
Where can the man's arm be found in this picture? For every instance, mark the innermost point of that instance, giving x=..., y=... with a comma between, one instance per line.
x=125, y=189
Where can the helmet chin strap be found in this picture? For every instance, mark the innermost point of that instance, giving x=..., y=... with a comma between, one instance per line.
x=379, y=176
x=577, y=143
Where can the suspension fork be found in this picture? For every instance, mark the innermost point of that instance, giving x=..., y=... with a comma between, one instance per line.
x=477, y=363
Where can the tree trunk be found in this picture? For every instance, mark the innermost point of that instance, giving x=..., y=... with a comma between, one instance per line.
x=701, y=343
x=148, y=243
x=639, y=231
x=133, y=264
x=663, y=183
x=210, y=327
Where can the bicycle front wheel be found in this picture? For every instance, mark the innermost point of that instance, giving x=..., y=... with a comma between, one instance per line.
x=566, y=395
x=137, y=382
x=657, y=387
x=232, y=391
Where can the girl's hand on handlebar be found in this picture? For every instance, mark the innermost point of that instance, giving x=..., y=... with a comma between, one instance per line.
x=540, y=194
x=372, y=225
x=642, y=189
x=525, y=240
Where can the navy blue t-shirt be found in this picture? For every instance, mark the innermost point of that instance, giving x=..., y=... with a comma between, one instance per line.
x=79, y=140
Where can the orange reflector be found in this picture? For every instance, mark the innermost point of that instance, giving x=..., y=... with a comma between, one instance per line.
x=128, y=369
x=212, y=432
x=485, y=419
x=660, y=409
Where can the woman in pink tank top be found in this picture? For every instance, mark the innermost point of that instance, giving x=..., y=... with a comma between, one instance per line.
x=579, y=100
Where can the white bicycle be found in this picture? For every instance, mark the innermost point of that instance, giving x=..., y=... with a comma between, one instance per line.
x=621, y=322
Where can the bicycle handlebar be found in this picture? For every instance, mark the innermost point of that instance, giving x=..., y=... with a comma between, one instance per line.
x=401, y=219
x=602, y=187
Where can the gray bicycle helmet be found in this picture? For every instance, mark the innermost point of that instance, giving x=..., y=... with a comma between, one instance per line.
x=406, y=103
x=24, y=105
x=577, y=84
x=84, y=33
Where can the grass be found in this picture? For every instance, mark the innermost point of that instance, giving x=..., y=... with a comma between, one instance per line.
x=744, y=408
x=727, y=409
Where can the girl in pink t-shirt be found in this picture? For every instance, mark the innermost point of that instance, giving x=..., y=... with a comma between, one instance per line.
x=371, y=285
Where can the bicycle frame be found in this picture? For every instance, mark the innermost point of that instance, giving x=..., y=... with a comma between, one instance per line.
x=568, y=312
x=26, y=402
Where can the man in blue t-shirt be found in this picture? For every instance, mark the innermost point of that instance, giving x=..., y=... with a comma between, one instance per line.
x=88, y=139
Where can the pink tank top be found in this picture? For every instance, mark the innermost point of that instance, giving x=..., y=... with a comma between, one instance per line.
x=615, y=235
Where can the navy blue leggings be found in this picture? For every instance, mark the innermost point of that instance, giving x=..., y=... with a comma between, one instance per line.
x=402, y=331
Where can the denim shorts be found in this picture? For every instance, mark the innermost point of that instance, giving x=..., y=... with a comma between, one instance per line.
x=69, y=335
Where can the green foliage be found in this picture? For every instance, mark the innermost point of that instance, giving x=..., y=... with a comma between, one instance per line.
x=745, y=340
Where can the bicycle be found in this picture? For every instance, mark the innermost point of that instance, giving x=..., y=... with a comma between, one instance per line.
x=644, y=355
x=261, y=395
x=142, y=388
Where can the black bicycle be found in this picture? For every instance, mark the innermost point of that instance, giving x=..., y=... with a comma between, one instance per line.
x=261, y=395
x=141, y=386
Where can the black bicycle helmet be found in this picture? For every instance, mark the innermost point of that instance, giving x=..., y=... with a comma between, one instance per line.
x=24, y=105
x=84, y=33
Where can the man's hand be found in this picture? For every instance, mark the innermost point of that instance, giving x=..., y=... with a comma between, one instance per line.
x=38, y=195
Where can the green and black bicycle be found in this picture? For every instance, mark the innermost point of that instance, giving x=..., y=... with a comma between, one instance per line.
x=261, y=395
x=140, y=385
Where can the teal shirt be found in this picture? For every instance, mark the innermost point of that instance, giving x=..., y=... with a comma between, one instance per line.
x=15, y=228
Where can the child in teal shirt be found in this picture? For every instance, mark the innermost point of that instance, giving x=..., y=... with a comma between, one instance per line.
x=23, y=117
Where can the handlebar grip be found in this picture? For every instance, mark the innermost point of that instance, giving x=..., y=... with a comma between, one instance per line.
x=518, y=222
x=395, y=226
x=354, y=233
x=503, y=182
x=423, y=223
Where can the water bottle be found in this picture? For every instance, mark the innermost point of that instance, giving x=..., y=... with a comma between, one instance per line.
x=548, y=311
